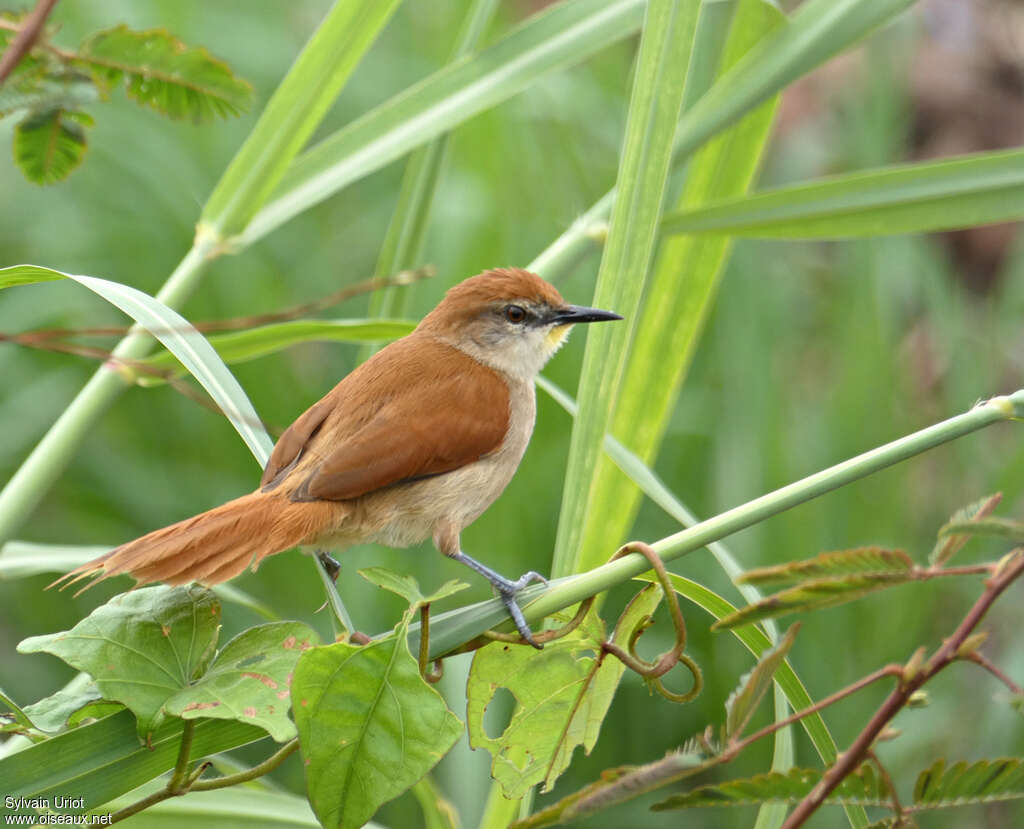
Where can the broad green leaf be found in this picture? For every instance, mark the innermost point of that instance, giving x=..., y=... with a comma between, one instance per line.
x=249, y=679
x=105, y=759
x=563, y=694
x=858, y=561
x=235, y=807
x=15, y=714
x=141, y=647
x=560, y=36
x=161, y=72
x=239, y=346
x=403, y=242
x=178, y=336
x=407, y=587
x=48, y=145
x=814, y=595
x=949, y=545
x=654, y=107
x=964, y=191
x=369, y=726
x=293, y=112
x=983, y=781
x=863, y=787
x=743, y=702
x=682, y=288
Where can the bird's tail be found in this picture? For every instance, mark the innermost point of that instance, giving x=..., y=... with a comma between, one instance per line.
x=211, y=547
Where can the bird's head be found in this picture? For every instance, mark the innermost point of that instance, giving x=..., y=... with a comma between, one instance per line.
x=508, y=318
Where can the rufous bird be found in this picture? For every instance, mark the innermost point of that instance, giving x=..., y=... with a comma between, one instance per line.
x=415, y=443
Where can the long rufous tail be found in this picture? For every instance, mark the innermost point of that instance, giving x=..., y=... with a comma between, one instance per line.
x=213, y=546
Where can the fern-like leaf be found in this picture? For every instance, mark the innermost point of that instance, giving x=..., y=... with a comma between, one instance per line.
x=983, y=781
x=949, y=543
x=161, y=72
x=857, y=561
x=862, y=788
x=48, y=145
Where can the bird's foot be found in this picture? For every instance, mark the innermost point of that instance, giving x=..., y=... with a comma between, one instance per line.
x=507, y=592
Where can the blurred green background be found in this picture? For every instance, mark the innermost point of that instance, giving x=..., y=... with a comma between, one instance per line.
x=815, y=352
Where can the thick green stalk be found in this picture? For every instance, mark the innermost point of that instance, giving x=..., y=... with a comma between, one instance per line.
x=447, y=633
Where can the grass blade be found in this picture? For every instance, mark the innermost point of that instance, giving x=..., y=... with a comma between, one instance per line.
x=909, y=198
x=647, y=150
x=293, y=112
x=560, y=36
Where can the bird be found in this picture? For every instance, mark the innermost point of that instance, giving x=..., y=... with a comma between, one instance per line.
x=414, y=443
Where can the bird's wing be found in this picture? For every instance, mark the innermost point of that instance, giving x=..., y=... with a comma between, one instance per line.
x=289, y=446
x=428, y=409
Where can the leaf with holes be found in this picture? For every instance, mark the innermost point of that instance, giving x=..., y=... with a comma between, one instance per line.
x=742, y=703
x=369, y=726
x=250, y=679
x=48, y=145
x=161, y=72
x=141, y=647
x=862, y=787
x=857, y=561
x=563, y=692
x=813, y=595
x=949, y=543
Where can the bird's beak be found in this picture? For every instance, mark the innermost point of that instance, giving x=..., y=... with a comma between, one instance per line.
x=573, y=314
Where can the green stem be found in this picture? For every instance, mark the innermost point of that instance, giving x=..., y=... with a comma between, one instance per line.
x=184, y=756
x=55, y=451
x=570, y=590
x=267, y=766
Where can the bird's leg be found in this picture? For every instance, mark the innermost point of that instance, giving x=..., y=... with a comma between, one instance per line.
x=330, y=564
x=507, y=590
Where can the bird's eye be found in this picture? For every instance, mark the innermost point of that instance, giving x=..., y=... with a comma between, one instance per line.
x=515, y=313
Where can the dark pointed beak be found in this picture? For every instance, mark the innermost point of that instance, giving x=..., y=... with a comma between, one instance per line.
x=573, y=314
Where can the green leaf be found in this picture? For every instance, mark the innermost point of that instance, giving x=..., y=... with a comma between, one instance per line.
x=643, y=170
x=141, y=647
x=17, y=716
x=235, y=807
x=983, y=781
x=105, y=759
x=161, y=72
x=619, y=785
x=817, y=30
x=1003, y=528
x=407, y=587
x=369, y=726
x=681, y=293
x=560, y=36
x=53, y=713
x=240, y=346
x=41, y=92
x=249, y=679
x=949, y=544
x=438, y=811
x=293, y=112
x=178, y=336
x=48, y=146
x=862, y=787
x=814, y=595
x=964, y=191
x=857, y=561
x=563, y=694
x=743, y=702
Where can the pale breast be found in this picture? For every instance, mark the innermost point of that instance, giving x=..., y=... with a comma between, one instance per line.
x=408, y=513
